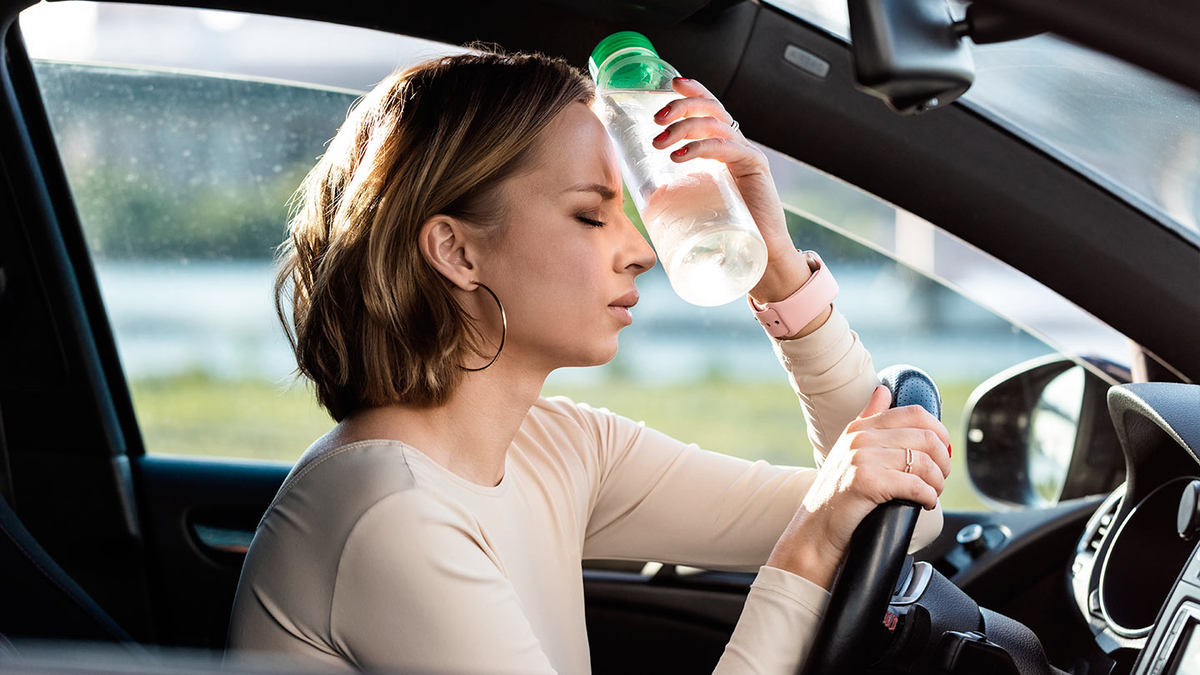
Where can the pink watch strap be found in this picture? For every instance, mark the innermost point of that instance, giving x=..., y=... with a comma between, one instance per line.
x=789, y=315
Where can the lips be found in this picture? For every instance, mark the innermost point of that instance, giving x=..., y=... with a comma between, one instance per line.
x=628, y=300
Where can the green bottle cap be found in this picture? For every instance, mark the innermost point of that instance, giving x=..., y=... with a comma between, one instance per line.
x=614, y=43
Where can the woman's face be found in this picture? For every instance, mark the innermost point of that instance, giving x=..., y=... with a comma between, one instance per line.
x=558, y=273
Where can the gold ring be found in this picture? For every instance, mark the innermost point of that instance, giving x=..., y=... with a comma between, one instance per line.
x=908, y=460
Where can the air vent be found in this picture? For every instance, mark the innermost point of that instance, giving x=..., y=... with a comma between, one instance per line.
x=1102, y=531
x=1087, y=598
x=1101, y=523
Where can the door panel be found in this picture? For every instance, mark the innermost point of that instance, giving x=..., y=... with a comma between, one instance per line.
x=195, y=581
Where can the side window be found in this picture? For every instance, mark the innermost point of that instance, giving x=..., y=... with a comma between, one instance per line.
x=182, y=155
x=915, y=294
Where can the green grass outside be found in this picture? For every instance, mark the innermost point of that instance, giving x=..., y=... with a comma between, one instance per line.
x=200, y=415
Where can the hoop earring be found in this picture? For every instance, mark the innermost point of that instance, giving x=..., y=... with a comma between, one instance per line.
x=504, y=329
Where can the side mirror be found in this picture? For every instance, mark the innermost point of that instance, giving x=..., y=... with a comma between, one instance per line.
x=1039, y=433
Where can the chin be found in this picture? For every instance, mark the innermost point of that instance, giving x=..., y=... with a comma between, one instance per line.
x=580, y=354
x=601, y=355
x=599, y=359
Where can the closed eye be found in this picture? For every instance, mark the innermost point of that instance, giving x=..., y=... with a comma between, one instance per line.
x=590, y=221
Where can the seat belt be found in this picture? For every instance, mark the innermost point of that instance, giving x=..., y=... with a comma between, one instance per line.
x=6, y=487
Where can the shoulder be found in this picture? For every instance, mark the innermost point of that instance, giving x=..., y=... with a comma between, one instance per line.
x=414, y=535
x=607, y=433
x=598, y=424
x=582, y=415
x=345, y=480
x=562, y=407
x=414, y=518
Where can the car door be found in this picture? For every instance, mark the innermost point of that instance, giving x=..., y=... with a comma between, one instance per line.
x=155, y=188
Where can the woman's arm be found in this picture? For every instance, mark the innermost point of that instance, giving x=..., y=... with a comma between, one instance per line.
x=832, y=395
x=833, y=376
x=662, y=499
x=418, y=591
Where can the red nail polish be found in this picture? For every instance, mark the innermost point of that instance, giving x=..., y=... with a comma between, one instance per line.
x=663, y=113
x=680, y=152
x=949, y=450
x=661, y=137
x=683, y=79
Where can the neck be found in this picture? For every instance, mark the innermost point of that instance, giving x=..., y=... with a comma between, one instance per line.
x=470, y=434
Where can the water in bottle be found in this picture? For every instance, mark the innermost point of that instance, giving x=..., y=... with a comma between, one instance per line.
x=704, y=235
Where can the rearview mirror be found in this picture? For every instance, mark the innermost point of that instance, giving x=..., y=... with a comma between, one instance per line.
x=1039, y=433
x=910, y=53
x=913, y=53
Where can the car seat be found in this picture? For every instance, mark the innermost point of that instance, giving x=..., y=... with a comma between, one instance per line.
x=41, y=601
x=38, y=599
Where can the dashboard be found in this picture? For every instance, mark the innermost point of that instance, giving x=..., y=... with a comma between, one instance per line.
x=1134, y=578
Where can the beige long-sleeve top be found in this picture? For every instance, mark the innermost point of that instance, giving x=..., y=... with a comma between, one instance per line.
x=372, y=555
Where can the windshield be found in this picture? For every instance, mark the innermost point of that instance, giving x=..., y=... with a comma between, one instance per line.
x=1134, y=133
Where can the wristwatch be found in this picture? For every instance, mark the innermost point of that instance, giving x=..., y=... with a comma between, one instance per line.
x=793, y=313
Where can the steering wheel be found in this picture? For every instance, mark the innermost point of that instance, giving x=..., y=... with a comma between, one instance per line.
x=852, y=631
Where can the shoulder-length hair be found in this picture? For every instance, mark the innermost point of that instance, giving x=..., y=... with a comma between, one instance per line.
x=371, y=322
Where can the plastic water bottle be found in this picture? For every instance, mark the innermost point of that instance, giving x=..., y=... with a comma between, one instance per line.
x=696, y=218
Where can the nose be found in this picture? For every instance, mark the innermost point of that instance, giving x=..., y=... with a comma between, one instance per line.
x=637, y=253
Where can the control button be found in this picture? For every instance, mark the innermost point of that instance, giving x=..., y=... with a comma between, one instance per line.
x=972, y=538
x=1191, y=573
x=1187, y=520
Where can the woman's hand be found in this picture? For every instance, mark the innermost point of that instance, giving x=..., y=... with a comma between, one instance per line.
x=700, y=118
x=865, y=468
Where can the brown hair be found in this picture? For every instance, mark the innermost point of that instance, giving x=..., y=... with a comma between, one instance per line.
x=375, y=323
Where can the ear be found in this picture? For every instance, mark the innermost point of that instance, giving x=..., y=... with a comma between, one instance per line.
x=444, y=244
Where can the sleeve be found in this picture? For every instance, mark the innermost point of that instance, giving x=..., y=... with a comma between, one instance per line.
x=777, y=625
x=661, y=499
x=460, y=615
x=416, y=551
x=832, y=374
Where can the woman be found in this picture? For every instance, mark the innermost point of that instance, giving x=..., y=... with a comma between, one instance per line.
x=439, y=527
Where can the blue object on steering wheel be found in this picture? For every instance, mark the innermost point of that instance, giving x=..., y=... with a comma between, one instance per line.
x=912, y=386
x=852, y=631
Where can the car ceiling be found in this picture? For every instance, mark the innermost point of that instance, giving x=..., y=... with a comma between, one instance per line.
x=1160, y=35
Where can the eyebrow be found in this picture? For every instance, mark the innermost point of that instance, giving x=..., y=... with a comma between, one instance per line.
x=604, y=191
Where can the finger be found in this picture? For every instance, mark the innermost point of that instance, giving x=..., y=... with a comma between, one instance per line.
x=693, y=106
x=742, y=159
x=690, y=87
x=891, y=485
x=922, y=441
x=881, y=485
x=694, y=127
x=912, y=416
x=890, y=458
x=913, y=488
x=880, y=399
x=923, y=466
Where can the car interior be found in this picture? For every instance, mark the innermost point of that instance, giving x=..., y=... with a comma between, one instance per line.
x=106, y=543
